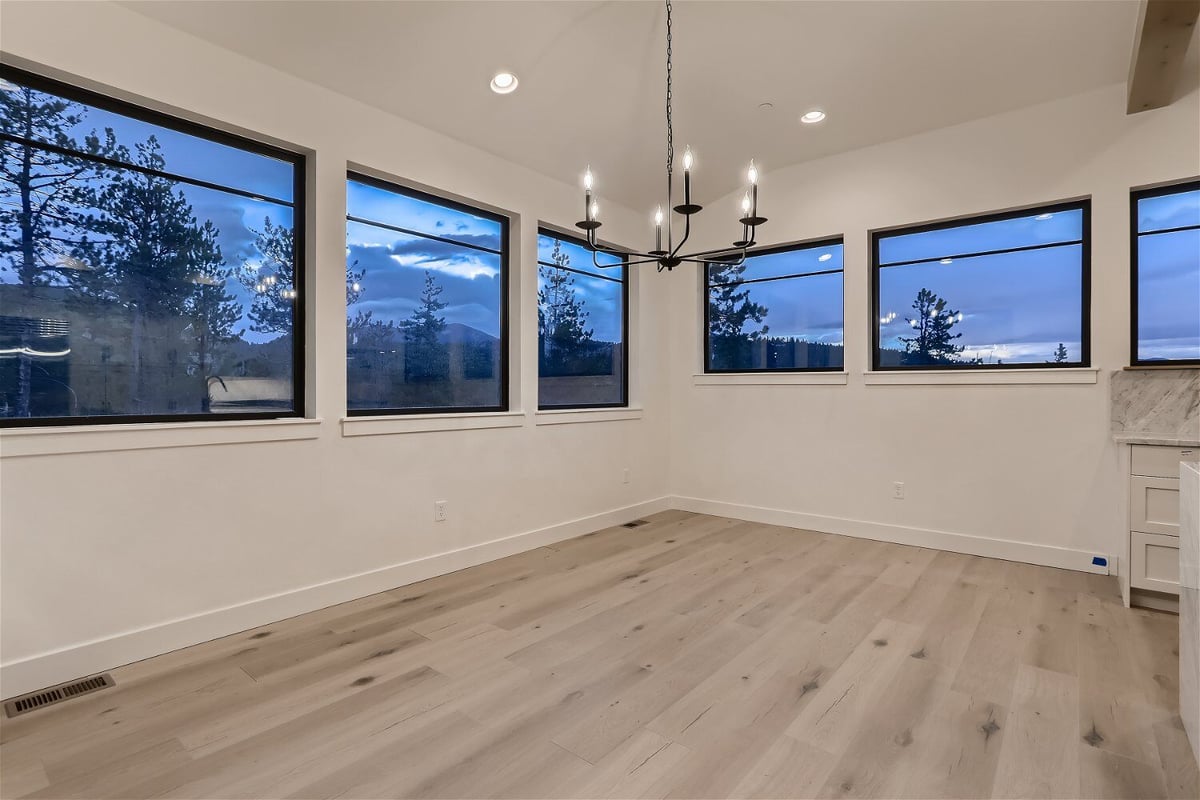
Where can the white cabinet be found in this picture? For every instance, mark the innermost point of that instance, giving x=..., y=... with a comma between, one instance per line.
x=1154, y=561
x=1154, y=505
x=1154, y=516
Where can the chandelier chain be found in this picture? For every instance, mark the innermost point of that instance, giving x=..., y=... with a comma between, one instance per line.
x=670, y=124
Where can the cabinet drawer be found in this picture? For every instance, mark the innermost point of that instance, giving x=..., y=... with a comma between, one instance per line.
x=1154, y=562
x=1159, y=462
x=1154, y=505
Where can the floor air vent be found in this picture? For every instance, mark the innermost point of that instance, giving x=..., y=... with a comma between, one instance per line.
x=56, y=694
x=637, y=523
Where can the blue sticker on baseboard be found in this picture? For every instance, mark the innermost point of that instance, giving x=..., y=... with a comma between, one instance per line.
x=1099, y=562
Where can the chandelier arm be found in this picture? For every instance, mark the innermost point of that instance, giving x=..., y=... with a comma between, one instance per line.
x=720, y=251
x=706, y=261
x=687, y=231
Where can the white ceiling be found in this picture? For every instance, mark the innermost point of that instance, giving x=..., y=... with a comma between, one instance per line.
x=591, y=73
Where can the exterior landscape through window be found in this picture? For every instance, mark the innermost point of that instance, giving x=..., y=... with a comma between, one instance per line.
x=149, y=268
x=425, y=293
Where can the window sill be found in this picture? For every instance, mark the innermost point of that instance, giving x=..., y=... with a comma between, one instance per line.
x=49, y=441
x=385, y=425
x=770, y=379
x=982, y=377
x=571, y=416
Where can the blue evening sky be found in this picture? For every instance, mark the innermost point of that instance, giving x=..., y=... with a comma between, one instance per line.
x=396, y=263
x=807, y=307
x=1016, y=307
x=601, y=295
x=1169, y=277
x=235, y=216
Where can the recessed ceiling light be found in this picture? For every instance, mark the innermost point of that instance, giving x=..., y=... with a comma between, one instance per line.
x=810, y=117
x=504, y=83
x=766, y=106
x=825, y=257
x=1043, y=216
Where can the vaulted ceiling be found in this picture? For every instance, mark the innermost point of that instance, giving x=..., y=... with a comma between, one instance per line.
x=591, y=73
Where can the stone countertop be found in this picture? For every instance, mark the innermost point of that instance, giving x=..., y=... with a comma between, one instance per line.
x=1156, y=406
x=1163, y=439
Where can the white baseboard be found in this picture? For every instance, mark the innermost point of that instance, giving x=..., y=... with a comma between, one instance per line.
x=47, y=669
x=1008, y=550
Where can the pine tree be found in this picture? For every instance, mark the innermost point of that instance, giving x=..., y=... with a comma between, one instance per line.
x=272, y=278
x=41, y=197
x=730, y=312
x=563, y=336
x=146, y=258
x=42, y=193
x=426, y=356
x=934, y=340
x=213, y=311
x=1060, y=354
x=354, y=284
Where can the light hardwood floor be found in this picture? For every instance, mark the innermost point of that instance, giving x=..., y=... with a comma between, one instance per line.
x=692, y=657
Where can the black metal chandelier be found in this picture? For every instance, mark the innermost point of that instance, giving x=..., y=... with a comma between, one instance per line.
x=670, y=256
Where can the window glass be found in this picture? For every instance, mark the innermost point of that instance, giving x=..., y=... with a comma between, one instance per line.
x=142, y=273
x=425, y=314
x=1167, y=275
x=779, y=310
x=984, y=294
x=581, y=325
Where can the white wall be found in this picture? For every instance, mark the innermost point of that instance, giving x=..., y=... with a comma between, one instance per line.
x=1032, y=464
x=114, y=555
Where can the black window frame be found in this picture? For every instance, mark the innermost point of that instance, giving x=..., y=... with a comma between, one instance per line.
x=299, y=162
x=808, y=244
x=1134, y=237
x=1085, y=242
x=544, y=230
x=504, y=253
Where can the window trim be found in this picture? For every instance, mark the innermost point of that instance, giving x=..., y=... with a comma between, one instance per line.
x=807, y=244
x=505, y=261
x=1135, y=195
x=299, y=163
x=543, y=230
x=1085, y=318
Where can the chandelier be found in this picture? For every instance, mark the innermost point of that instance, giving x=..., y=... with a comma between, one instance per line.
x=670, y=256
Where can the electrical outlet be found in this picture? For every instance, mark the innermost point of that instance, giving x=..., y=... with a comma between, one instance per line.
x=439, y=511
x=898, y=490
x=625, y=477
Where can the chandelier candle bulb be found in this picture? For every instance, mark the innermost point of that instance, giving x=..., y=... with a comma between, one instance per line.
x=687, y=176
x=752, y=174
x=587, y=192
x=658, y=218
x=593, y=211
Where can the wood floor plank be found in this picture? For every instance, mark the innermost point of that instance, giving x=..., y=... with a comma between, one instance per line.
x=788, y=768
x=693, y=656
x=1039, y=756
x=1180, y=773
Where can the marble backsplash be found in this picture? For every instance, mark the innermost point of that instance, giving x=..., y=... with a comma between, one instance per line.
x=1156, y=403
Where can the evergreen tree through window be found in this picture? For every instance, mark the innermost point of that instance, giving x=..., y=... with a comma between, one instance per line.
x=995, y=291
x=780, y=310
x=426, y=279
x=147, y=265
x=582, y=312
